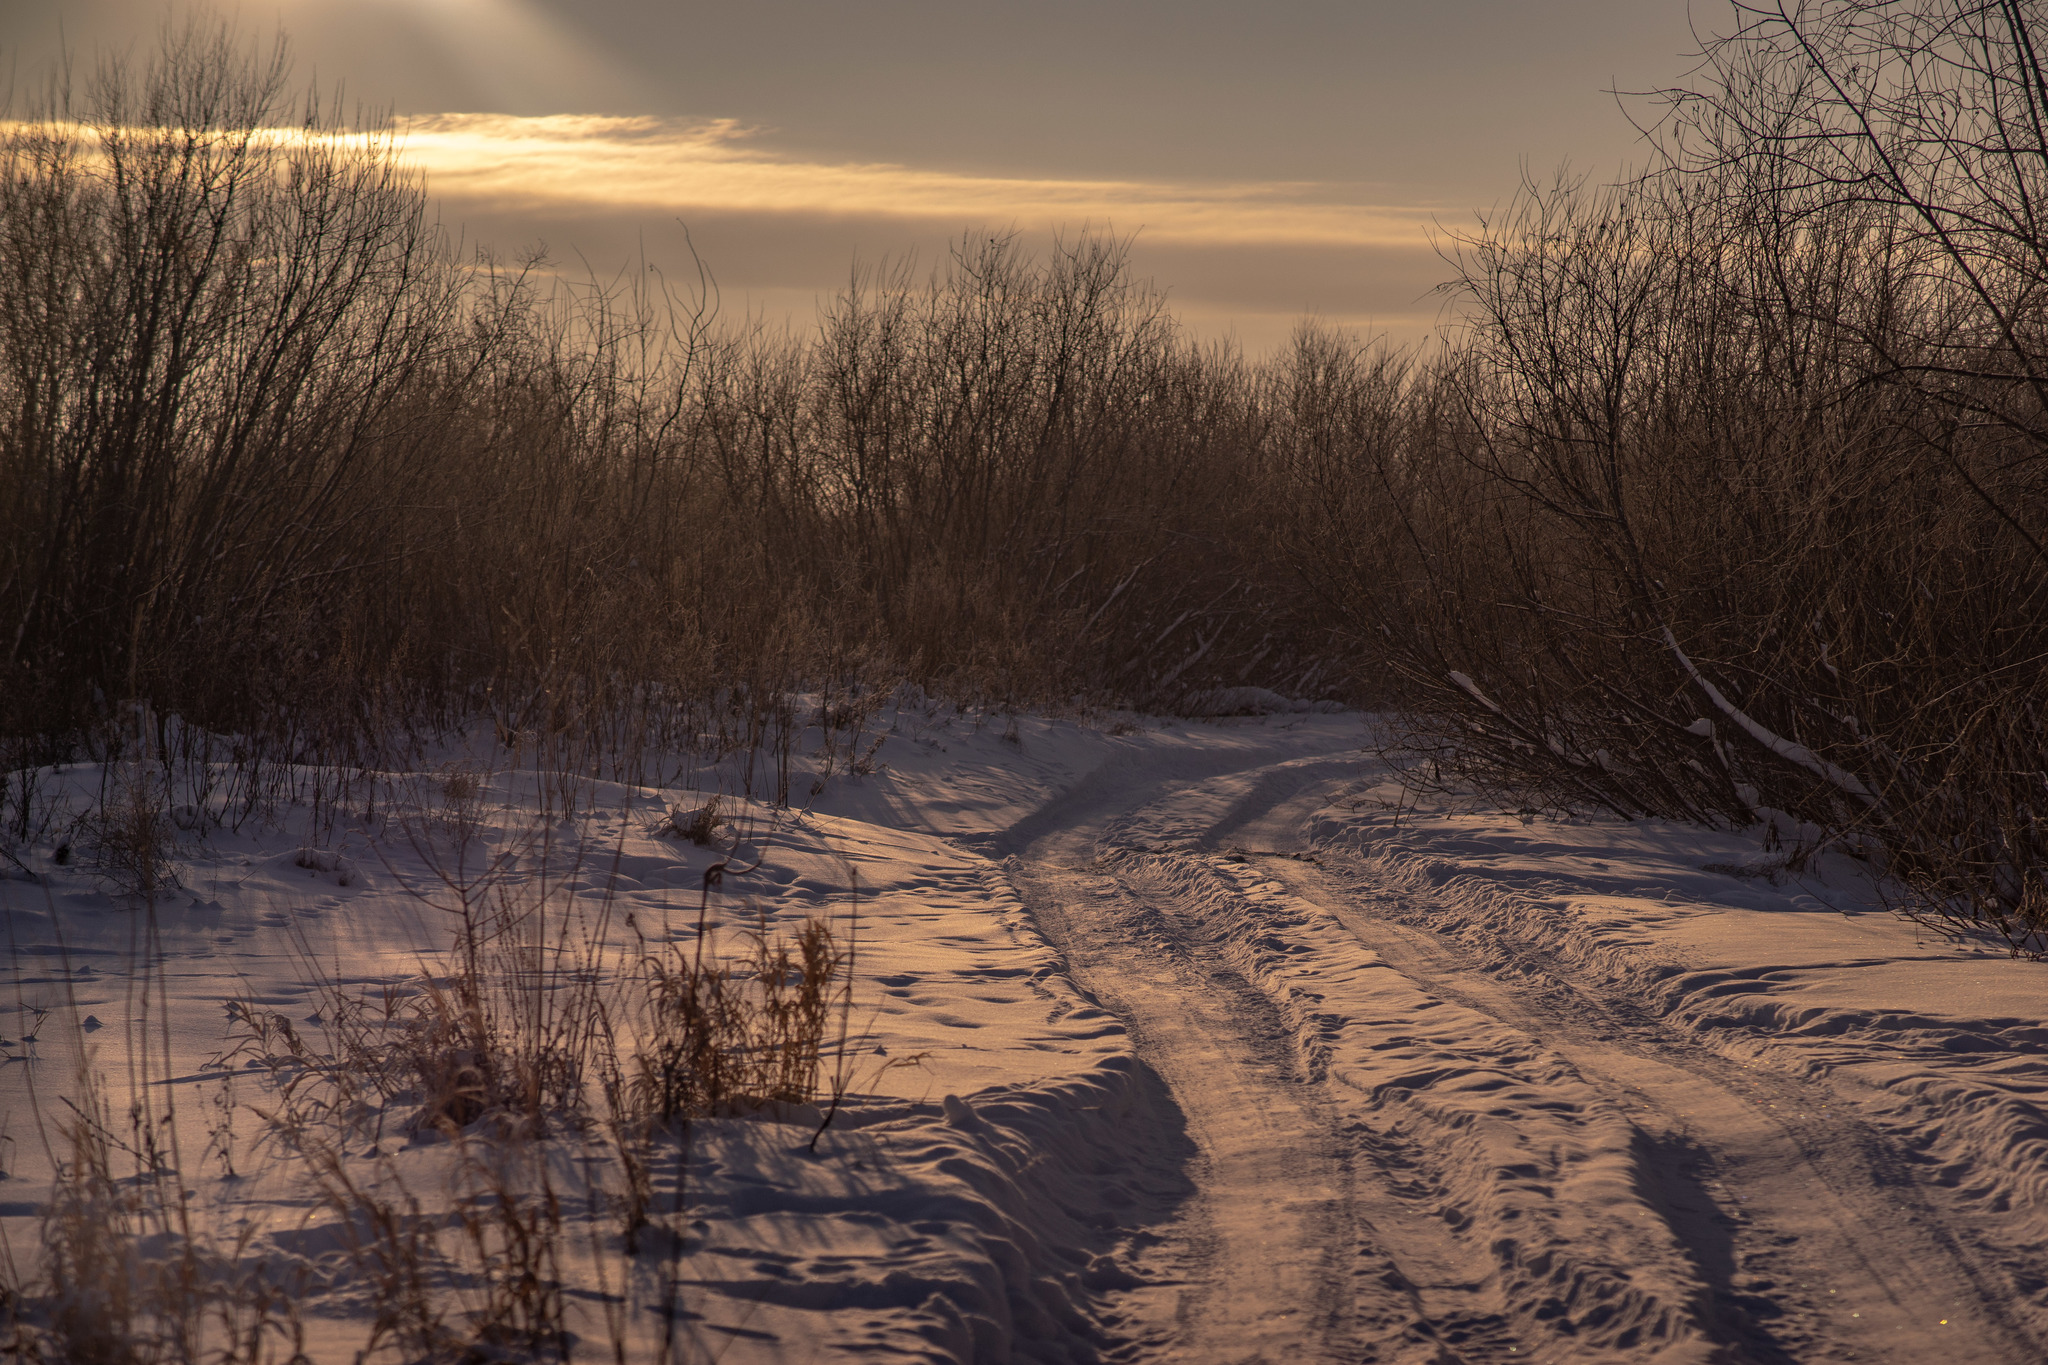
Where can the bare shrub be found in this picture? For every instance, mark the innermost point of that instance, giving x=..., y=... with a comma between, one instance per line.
x=1921, y=124
x=1724, y=493
x=464, y=494
x=1662, y=536
x=721, y=1034
x=130, y=837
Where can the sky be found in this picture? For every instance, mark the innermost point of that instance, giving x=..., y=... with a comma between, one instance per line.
x=1271, y=160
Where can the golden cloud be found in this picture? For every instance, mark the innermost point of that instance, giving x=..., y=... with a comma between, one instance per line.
x=673, y=166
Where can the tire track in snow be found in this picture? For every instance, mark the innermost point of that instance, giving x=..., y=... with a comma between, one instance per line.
x=1808, y=1229
x=1826, y=1249
x=1266, y=1158
x=1415, y=1290
x=1516, y=1177
x=1317, y=1234
x=1739, y=1218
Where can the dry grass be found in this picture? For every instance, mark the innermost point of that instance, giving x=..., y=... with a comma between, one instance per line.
x=699, y=824
x=540, y=1044
x=736, y=1034
x=130, y=838
x=123, y=1276
x=529, y=1039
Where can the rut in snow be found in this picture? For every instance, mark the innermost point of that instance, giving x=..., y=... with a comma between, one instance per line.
x=1410, y=1151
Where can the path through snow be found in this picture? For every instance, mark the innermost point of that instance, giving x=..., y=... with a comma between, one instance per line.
x=1415, y=1149
x=1229, y=1052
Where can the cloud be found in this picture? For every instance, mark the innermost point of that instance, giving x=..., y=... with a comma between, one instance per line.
x=1240, y=257
x=673, y=166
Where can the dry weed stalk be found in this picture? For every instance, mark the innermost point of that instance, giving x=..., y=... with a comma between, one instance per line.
x=131, y=837
x=723, y=1034
x=526, y=1042
x=124, y=1277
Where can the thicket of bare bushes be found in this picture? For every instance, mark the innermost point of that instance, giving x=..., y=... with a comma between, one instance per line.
x=1722, y=495
x=280, y=460
x=1731, y=495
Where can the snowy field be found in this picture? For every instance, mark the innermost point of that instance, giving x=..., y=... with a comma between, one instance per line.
x=1201, y=1041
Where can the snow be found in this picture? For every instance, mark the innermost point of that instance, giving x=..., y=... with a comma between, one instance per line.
x=1792, y=752
x=1182, y=1040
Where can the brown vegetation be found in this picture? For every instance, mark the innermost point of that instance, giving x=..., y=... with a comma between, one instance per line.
x=1730, y=499
x=1722, y=499
x=537, y=1037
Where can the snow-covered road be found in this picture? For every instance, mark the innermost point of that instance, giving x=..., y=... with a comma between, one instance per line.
x=1204, y=1042
x=1265, y=1257
x=1409, y=1150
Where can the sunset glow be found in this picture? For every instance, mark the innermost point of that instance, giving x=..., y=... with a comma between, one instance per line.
x=1265, y=166
x=675, y=167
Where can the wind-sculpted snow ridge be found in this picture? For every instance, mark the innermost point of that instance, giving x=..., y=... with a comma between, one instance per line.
x=992, y=1228
x=1000, y=1158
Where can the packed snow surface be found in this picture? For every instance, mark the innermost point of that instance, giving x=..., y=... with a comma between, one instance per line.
x=1203, y=1041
